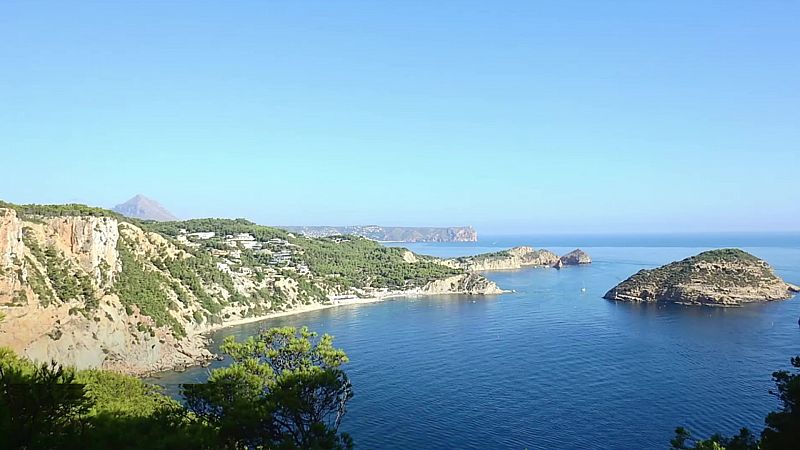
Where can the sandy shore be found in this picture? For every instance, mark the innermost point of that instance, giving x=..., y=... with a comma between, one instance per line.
x=313, y=307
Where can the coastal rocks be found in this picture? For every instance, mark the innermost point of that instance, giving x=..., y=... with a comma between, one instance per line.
x=574, y=258
x=514, y=258
x=726, y=277
x=467, y=283
x=517, y=258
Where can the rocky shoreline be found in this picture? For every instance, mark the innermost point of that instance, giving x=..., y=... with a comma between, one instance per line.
x=86, y=288
x=517, y=258
x=465, y=284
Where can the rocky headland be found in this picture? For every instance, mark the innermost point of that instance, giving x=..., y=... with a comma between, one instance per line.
x=517, y=258
x=90, y=288
x=725, y=277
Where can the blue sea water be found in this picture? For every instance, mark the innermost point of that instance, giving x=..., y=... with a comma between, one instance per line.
x=553, y=365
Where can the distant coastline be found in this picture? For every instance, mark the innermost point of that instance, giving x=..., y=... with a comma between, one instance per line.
x=390, y=234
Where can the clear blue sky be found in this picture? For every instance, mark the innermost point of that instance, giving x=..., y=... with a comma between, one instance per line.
x=509, y=116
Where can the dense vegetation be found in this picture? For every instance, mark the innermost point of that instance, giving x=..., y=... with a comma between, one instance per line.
x=33, y=211
x=782, y=431
x=135, y=285
x=724, y=267
x=344, y=260
x=221, y=227
x=285, y=390
x=359, y=262
x=484, y=256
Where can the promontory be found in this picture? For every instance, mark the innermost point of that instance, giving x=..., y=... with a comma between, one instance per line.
x=517, y=258
x=89, y=287
x=724, y=277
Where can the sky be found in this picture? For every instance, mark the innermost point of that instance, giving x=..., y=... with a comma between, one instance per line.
x=512, y=117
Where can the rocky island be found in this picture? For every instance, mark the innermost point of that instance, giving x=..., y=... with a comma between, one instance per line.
x=91, y=288
x=576, y=257
x=517, y=258
x=725, y=277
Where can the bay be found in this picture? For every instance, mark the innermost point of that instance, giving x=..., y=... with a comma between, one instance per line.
x=553, y=365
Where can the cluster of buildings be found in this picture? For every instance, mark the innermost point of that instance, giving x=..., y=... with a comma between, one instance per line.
x=279, y=250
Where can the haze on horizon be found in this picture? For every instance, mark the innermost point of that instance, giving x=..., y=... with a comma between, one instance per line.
x=511, y=117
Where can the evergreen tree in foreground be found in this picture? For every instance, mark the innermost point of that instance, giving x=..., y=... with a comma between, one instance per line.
x=782, y=431
x=285, y=390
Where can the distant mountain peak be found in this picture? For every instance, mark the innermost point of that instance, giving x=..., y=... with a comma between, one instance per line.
x=141, y=207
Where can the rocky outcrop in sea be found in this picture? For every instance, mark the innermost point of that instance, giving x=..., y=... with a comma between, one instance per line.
x=725, y=277
x=467, y=283
x=575, y=258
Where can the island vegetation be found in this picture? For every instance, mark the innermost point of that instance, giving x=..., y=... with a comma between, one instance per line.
x=723, y=277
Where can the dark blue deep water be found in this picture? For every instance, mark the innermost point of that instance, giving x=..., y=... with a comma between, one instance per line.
x=554, y=366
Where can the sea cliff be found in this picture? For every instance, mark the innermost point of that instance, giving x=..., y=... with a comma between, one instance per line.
x=516, y=258
x=725, y=277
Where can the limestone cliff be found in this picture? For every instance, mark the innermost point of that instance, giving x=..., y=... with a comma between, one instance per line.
x=726, y=277
x=58, y=301
x=468, y=283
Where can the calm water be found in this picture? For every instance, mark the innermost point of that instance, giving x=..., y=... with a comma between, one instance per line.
x=553, y=366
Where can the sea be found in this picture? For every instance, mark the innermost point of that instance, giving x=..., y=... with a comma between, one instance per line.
x=553, y=365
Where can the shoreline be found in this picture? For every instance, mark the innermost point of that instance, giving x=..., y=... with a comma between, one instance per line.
x=299, y=310
x=203, y=361
x=320, y=306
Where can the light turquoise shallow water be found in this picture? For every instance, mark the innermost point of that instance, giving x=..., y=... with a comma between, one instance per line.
x=553, y=365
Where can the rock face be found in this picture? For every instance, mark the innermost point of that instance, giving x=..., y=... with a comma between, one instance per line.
x=574, y=258
x=393, y=234
x=141, y=207
x=515, y=258
x=726, y=277
x=468, y=283
x=38, y=260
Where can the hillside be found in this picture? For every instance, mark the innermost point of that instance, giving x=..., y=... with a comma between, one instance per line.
x=392, y=234
x=87, y=287
x=725, y=277
x=141, y=207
